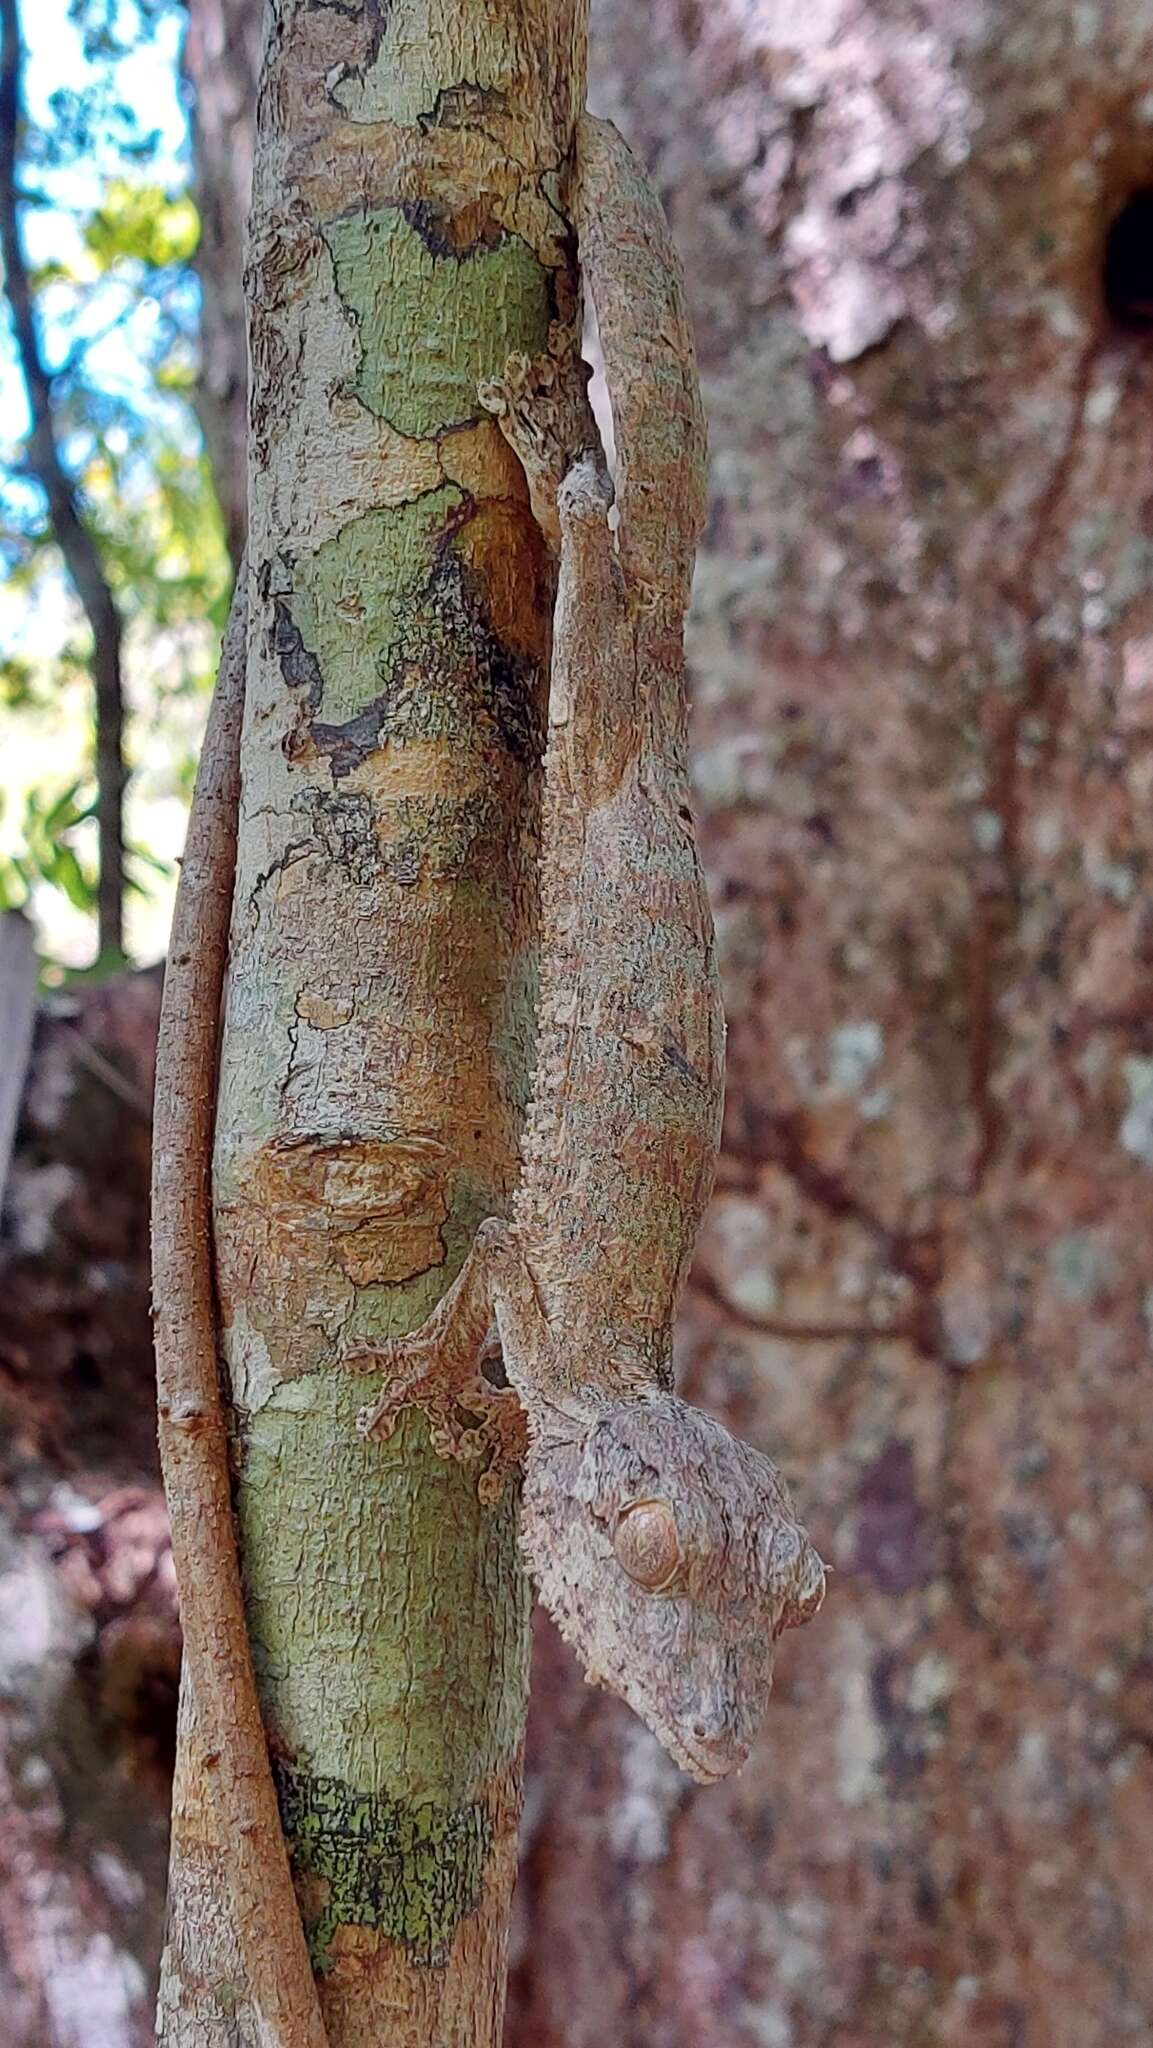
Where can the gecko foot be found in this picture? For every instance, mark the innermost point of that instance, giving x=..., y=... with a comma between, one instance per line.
x=444, y=1380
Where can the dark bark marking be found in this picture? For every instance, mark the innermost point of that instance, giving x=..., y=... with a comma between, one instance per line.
x=298, y=665
x=458, y=106
x=410, y=1871
x=451, y=235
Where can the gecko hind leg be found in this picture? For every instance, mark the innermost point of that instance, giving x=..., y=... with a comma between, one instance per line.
x=541, y=403
x=438, y=1370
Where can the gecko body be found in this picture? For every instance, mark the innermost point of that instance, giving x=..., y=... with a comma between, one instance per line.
x=665, y=1549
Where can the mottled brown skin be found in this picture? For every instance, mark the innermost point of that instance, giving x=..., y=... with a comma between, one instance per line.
x=665, y=1550
x=682, y=1620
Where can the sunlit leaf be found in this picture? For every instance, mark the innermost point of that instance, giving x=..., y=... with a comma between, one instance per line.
x=67, y=811
x=18, y=678
x=142, y=223
x=67, y=874
x=150, y=860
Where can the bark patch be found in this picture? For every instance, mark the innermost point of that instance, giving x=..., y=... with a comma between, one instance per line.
x=419, y=659
x=479, y=290
x=410, y=1872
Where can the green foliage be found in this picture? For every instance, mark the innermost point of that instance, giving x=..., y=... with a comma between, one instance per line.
x=47, y=853
x=141, y=223
x=111, y=230
x=19, y=682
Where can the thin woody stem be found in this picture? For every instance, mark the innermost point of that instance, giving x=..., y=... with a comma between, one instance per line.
x=193, y=1441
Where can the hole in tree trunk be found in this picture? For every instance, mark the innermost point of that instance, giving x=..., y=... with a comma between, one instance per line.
x=1129, y=265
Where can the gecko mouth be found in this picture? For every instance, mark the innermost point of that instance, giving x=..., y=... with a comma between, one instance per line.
x=706, y=1761
x=706, y=1764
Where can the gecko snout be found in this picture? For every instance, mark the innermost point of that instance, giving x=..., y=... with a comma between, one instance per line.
x=712, y=1748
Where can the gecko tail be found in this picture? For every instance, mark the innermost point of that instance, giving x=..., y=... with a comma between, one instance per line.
x=586, y=492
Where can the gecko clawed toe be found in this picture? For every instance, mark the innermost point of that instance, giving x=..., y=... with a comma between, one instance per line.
x=438, y=1370
x=499, y=1437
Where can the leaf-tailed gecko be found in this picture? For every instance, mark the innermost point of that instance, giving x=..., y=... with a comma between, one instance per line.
x=665, y=1549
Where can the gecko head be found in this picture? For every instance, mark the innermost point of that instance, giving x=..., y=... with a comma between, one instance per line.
x=667, y=1553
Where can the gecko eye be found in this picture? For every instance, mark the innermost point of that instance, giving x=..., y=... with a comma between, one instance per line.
x=647, y=1545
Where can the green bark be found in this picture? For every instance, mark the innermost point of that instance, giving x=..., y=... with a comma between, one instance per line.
x=378, y=1022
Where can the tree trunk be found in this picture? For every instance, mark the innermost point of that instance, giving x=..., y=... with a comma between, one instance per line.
x=408, y=232
x=923, y=660
x=221, y=58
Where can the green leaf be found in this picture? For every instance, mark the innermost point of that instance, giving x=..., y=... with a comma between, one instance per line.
x=18, y=678
x=13, y=886
x=68, y=875
x=142, y=223
x=150, y=860
x=65, y=811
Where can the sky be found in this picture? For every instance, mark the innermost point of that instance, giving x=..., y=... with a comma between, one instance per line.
x=148, y=82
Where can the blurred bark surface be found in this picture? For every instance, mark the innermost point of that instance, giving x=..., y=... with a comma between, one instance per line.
x=923, y=667
x=221, y=59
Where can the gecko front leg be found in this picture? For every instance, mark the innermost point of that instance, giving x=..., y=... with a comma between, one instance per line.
x=439, y=1368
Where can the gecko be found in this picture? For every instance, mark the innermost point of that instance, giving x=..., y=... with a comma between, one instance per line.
x=665, y=1549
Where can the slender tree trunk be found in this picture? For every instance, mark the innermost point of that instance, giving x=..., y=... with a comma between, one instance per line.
x=408, y=232
x=221, y=58
x=75, y=541
x=923, y=660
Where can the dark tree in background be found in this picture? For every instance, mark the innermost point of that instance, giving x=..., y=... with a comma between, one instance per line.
x=221, y=61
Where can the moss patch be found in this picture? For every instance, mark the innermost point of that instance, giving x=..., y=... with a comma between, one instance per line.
x=433, y=321
x=404, y=657
x=409, y=1872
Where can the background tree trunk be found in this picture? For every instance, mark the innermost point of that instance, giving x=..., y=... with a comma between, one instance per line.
x=221, y=59
x=923, y=665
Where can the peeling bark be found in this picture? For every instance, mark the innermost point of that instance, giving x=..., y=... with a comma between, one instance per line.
x=921, y=654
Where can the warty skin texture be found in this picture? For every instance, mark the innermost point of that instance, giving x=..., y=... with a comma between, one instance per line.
x=693, y=1656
